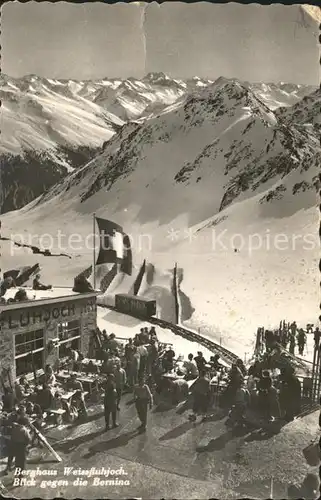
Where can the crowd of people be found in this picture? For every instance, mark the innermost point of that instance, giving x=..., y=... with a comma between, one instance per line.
x=147, y=368
x=269, y=388
x=289, y=336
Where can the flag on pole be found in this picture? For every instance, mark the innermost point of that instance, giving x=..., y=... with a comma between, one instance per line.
x=114, y=245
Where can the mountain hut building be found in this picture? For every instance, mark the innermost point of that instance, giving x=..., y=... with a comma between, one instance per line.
x=40, y=330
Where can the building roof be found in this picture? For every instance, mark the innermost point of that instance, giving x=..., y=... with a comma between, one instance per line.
x=56, y=294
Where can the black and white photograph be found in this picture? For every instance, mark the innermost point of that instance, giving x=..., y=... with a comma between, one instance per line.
x=159, y=283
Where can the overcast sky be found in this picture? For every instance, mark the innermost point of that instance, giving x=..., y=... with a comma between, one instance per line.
x=94, y=40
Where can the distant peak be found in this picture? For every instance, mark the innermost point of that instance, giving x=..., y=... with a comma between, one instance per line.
x=222, y=80
x=156, y=76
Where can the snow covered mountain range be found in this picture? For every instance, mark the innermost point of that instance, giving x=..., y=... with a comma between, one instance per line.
x=209, y=180
x=50, y=127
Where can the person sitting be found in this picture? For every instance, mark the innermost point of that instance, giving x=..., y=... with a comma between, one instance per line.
x=34, y=396
x=29, y=408
x=24, y=383
x=37, y=423
x=21, y=296
x=19, y=391
x=74, y=384
x=45, y=397
x=22, y=412
x=78, y=402
x=73, y=358
x=95, y=392
x=179, y=390
x=91, y=367
x=82, y=285
x=57, y=401
x=37, y=285
x=191, y=368
x=168, y=359
x=6, y=284
x=214, y=362
x=8, y=400
x=50, y=378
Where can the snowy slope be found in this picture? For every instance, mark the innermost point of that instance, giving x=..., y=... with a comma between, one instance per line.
x=218, y=161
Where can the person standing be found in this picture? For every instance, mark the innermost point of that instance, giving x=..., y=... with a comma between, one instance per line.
x=200, y=361
x=290, y=393
x=302, y=338
x=201, y=394
x=143, y=398
x=110, y=401
x=143, y=353
x=133, y=369
x=8, y=400
x=20, y=439
x=112, y=344
x=317, y=336
x=12, y=420
x=152, y=357
x=120, y=381
x=292, y=343
x=129, y=353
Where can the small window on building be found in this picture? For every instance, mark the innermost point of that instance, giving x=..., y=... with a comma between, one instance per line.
x=29, y=352
x=69, y=337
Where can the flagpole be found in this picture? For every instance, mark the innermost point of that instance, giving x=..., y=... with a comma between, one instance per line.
x=94, y=249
